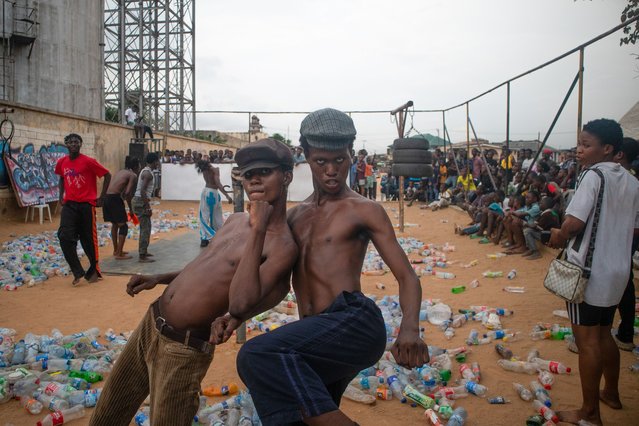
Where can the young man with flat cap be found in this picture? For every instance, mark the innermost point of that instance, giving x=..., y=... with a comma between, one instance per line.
x=298, y=372
x=170, y=351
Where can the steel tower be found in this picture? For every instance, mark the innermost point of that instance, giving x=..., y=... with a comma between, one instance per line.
x=149, y=60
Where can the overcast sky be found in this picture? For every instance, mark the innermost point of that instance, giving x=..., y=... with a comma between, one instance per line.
x=302, y=55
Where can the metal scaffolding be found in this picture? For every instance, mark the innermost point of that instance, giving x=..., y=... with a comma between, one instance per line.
x=149, y=61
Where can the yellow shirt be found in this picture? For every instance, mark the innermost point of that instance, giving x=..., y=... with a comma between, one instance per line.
x=468, y=183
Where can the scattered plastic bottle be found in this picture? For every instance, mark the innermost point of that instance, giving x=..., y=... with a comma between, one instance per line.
x=467, y=373
x=545, y=411
x=541, y=335
x=503, y=351
x=432, y=417
x=458, y=418
x=518, y=366
x=498, y=400
x=33, y=406
x=444, y=275
x=449, y=333
x=552, y=366
x=458, y=289
x=476, y=370
x=474, y=284
x=532, y=354
x=53, y=403
x=512, y=274
x=540, y=393
x=493, y=274
x=357, y=395
x=546, y=379
x=511, y=289
x=87, y=398
x=60, y=417
x=213, y=390
x=523, y=392
x=475, y=388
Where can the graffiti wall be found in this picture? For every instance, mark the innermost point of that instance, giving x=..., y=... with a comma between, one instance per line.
x=31, y=172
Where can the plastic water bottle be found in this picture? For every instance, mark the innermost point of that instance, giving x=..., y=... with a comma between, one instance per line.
x=511, y=289
x=19, y=353
x=532, y=354
x=393, y=382
x=545, y=411
x=493, y=274
x=60, y=417
x=444, y=275
x=476, y=389
x=512, y=274
x=87, y=398
x=518, y=366
x=467, y=372
x=458, y=418
x=541, y=335
x=56, y=351
x=92, y=333
x=142, y=419
x=474, y=284
x=523, y=392
x=476, y=370
x=540, y=393
x=53, y=403
x=546, y=379
x=33, y=406
x=432, y=417
x=357, y=395
x=552, y=366
x=449, y=333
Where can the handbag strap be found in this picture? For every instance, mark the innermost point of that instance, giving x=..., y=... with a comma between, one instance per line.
x=595, y=224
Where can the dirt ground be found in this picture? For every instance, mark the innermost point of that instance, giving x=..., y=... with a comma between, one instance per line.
x=55, y=303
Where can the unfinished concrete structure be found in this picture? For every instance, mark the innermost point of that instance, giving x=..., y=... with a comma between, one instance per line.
x=150, y=61
x=51, y=55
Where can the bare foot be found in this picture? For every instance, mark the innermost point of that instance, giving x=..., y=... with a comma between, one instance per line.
x=518, y=250
x=93, y=278
x=75, y=281
x=145, y=260
x=527, y=253
x=611, y=399
x=573, y=417
x=123, y=257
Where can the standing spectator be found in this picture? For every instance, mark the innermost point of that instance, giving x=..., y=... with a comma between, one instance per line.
x=361, y=172
x=142, y=207
x=527, y=159
x=78, y=197
x=121, y=189
x=130, y=114
x=477, y=164
x=370, y=178
x=592, y=319
x=211, y=219
x=625, y=333
x=451, y=168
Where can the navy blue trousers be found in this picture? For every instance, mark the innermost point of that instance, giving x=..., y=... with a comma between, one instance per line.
x=302, y=369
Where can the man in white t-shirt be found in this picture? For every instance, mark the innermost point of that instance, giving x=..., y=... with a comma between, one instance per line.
x=130, y=115
x=619, y=219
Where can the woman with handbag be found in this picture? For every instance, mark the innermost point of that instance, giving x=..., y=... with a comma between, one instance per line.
x=598, y=231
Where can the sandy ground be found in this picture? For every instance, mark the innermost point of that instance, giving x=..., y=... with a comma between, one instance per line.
x=57, y=304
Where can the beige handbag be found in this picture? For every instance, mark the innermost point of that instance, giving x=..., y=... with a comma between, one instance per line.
x=566, y=279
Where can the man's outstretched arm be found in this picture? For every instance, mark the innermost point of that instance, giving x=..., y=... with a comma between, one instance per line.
x=138, y=282
x=409, y=349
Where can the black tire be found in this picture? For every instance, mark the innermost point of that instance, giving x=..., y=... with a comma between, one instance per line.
x=413, y=170
x=410, y=143
x=412, y=156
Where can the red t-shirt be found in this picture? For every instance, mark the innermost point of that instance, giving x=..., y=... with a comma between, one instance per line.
x=80, y=183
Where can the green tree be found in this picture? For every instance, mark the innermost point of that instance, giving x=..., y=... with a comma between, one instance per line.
x=281, y=138
x=631, y=34
x=111, y=114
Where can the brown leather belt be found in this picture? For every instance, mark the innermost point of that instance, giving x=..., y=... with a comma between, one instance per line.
x=185, y=337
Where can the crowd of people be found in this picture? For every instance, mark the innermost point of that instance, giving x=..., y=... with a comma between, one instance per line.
x=255, y=255
x=191, y=156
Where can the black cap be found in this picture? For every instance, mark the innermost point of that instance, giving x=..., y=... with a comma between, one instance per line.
x=267, y=153
x=328, y=129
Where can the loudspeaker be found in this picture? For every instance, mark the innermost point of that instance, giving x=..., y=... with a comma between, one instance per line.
x=139, y=151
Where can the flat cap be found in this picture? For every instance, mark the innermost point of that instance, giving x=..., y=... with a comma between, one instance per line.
x=269, y=153
x=328, y=129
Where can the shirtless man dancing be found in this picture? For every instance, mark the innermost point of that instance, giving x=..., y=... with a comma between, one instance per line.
x=169, y=353
x=210, y=207
x=298, y=372
x=121, y=188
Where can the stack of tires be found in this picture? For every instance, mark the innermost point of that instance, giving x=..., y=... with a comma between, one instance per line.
x=411, y=158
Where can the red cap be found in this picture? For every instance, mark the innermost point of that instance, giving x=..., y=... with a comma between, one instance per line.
x=567, y=369
x=555, y=419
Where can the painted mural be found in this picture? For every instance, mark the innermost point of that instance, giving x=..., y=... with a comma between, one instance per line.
x=32, y=172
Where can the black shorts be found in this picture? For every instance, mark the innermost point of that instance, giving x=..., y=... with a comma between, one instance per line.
x=589, y=315
x=113, y=209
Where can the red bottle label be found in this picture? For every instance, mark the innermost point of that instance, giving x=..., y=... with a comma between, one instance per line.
x=552, y=366
x=51, y=388
x=57, y=418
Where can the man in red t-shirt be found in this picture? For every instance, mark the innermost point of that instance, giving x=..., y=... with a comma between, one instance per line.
x=78, y=197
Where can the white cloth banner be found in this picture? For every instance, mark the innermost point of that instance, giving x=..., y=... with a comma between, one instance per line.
x=182, y=182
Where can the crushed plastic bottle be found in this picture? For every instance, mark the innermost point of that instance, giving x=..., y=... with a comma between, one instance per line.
x=524, y=393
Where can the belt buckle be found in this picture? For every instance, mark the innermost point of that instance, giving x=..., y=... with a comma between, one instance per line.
x=160, y=323
x=187, y=336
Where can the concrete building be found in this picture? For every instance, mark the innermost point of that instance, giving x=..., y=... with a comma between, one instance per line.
x=51, y=55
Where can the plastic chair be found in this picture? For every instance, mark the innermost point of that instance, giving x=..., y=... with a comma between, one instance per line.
x=40, y=208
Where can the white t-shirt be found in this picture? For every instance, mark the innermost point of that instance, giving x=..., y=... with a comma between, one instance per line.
x=130, y=115
x=526, y=163
x=618, y=218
